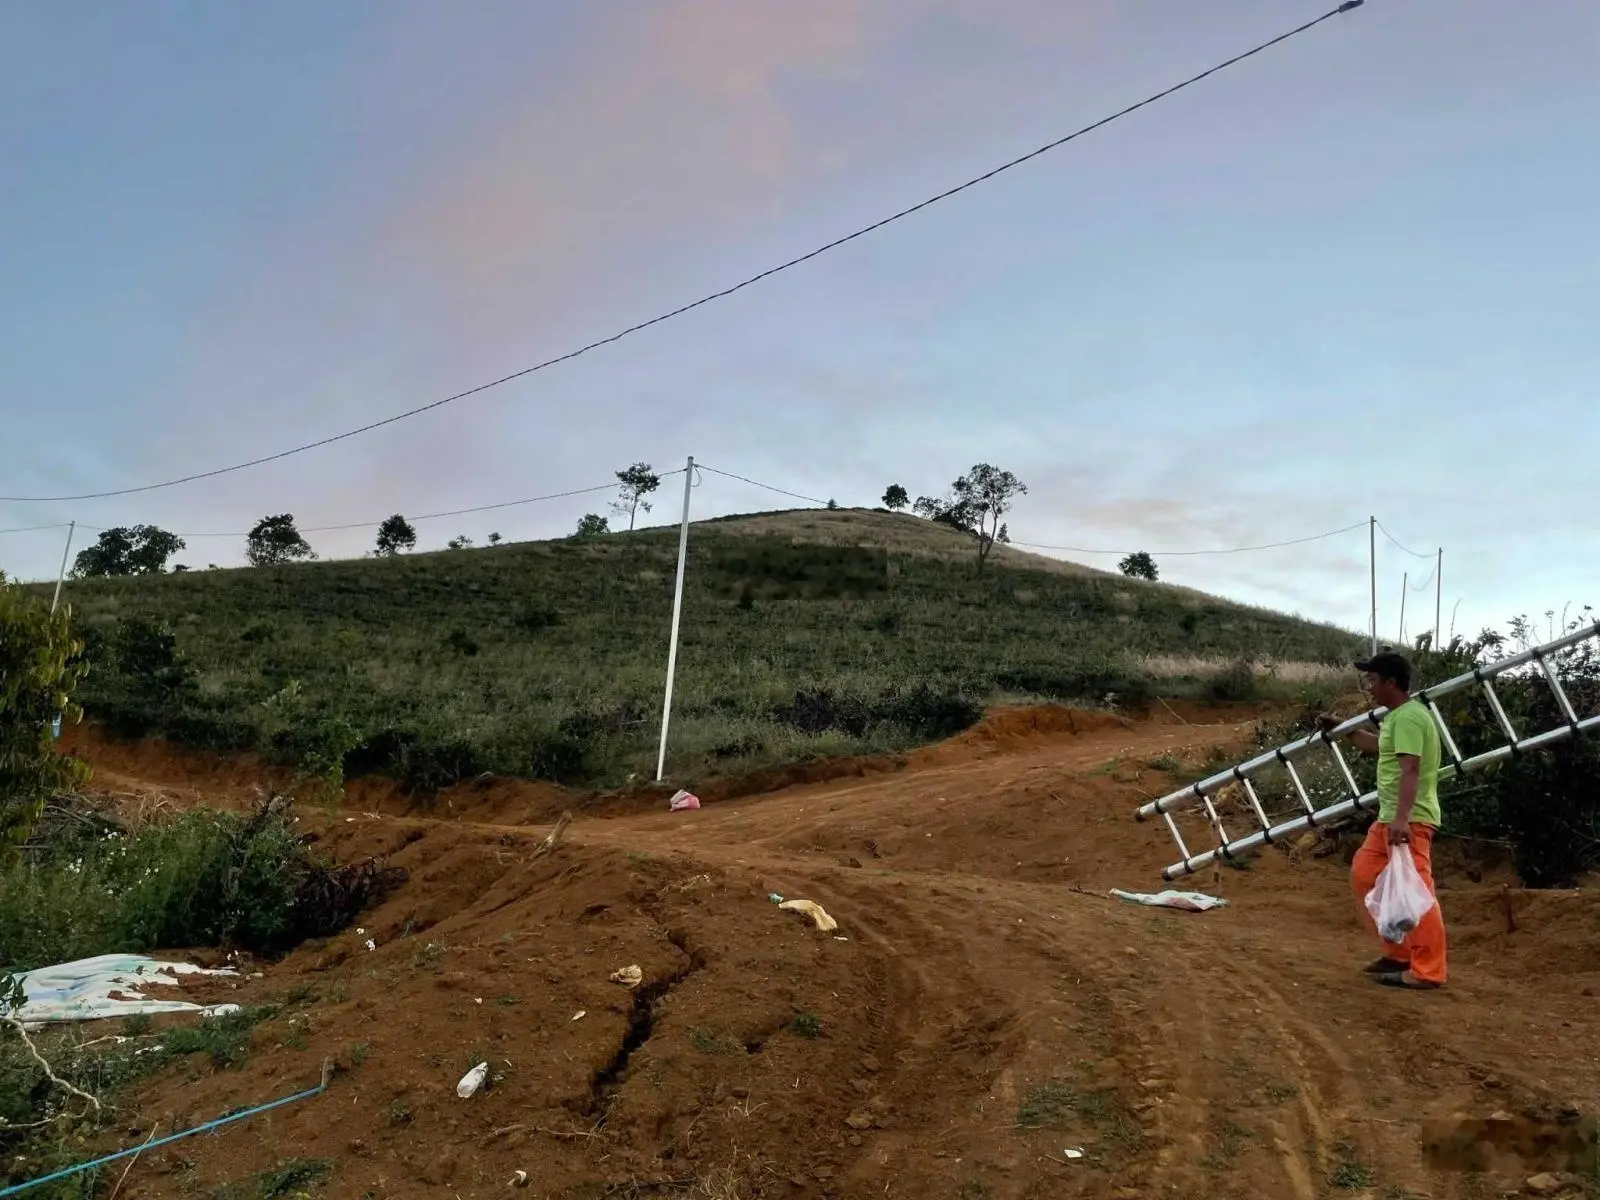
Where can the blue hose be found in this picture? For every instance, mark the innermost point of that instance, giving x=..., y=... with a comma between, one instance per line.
x=17, y=1188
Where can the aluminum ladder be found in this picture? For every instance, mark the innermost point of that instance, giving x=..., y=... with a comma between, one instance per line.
x=1203, y=792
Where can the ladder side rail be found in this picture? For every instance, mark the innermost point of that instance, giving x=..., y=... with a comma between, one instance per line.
x=1477, y=675
x=1337, y=811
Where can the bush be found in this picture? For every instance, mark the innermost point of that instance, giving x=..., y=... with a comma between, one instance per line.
x=923, y=711
x=203, y=878
x=929, y=713
x=1090, y=681
x=1234, y=684
x=532, y=618
x=40, y=664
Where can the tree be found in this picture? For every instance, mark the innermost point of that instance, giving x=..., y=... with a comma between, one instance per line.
x=592, y=525
x=495, y=539
x=396, y=534
x=459, y=542
x=1139, y=566
x=637, y=481
x=975, y=505
x=128, y=550
x=40, y=663
x=275, y=541
x=896, y=498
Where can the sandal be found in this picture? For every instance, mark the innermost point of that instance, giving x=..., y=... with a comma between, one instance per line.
x=1398, y=979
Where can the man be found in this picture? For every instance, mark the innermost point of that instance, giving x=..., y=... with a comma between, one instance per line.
x=1407, y=745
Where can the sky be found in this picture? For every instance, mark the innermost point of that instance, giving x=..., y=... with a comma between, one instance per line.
x=1355, y=275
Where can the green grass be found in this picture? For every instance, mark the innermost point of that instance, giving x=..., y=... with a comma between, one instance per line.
x=546, y=660
x=709, y=1041
x=808, y=1025
x=224, y=1040
x=1349, y=1172
x=44, y=1128
x=196, y=879
x=288, y=1179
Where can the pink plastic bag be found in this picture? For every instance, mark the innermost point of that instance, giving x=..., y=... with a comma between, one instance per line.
x=1400, y=898
x=682, y=801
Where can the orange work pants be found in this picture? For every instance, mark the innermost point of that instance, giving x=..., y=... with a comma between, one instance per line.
x=1424, y=948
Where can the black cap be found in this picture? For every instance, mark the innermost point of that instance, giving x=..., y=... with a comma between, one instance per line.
x=1388, y=665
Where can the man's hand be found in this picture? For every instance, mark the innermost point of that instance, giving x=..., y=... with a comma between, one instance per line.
x=1399, y=835
x=1326, y=722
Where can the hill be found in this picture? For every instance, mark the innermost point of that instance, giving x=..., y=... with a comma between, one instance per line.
x=804, y=634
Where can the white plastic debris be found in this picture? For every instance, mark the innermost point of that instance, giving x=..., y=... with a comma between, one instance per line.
x=628, y=976
x=1073, y=1152
x=1188, y=901
x=219, y=1010
x=519, y=1179
x=370, y=944
x=472, y=1081
x=683, y=800
x=109, y=985
x=580, y=1014
x=813, y=910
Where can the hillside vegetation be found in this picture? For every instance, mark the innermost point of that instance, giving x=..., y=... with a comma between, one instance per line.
x=831, y=633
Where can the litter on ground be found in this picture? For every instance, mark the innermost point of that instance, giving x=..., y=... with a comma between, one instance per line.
x=472, y=1081
x=1188, y=901
x=683, y=800
x=813, y=910
x=108, y=985
x=628, y=976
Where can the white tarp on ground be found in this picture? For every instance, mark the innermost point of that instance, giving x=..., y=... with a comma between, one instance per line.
x=110, y=985
x=1189, y=901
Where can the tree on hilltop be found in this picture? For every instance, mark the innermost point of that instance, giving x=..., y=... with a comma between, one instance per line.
x=396, y=534
x=975, y=505
x=637, y=481
x=275, y=541
x=1139, y=566
x=127, y=550
x=896, y=498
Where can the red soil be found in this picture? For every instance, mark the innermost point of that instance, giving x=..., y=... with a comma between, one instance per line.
x=1232, y=1053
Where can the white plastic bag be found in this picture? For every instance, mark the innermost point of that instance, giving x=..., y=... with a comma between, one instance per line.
x=472, y=1081
x=1400, y=898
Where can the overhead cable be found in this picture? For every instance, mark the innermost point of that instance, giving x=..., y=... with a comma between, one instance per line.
x=711, y=297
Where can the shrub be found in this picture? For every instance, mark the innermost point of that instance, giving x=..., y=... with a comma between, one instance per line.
x=460, y=642
x=39, y=667
x=532, y=618
x=1234, y=684
x=202, y=878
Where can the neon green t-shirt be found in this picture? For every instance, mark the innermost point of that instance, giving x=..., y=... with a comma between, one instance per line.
x=1409, y=729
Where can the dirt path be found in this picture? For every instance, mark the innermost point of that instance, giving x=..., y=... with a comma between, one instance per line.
x=982, y=1013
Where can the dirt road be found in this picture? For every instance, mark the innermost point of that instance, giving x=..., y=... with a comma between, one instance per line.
x=984, y=1023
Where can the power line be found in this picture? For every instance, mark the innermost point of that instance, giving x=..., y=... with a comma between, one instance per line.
x=1347, y=6
x=1425, y=583
x=1400, y=546
x=764, y=486
x=35, y=528
x=1315, y=537
x=457, y=512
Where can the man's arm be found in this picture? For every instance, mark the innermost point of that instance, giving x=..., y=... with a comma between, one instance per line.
x=1410, y=775
x=1365, y=739
x=1362, y=738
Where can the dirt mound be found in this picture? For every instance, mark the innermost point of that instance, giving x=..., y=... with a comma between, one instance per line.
x=984, y=1009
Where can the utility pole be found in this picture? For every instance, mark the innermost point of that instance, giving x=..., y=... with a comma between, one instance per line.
x=677, y=613
x=1372, y=569
x=62, y=574
x=1438, y=601
x=1405, y=586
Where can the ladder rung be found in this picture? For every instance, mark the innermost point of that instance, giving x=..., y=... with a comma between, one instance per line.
x=1335, y=812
